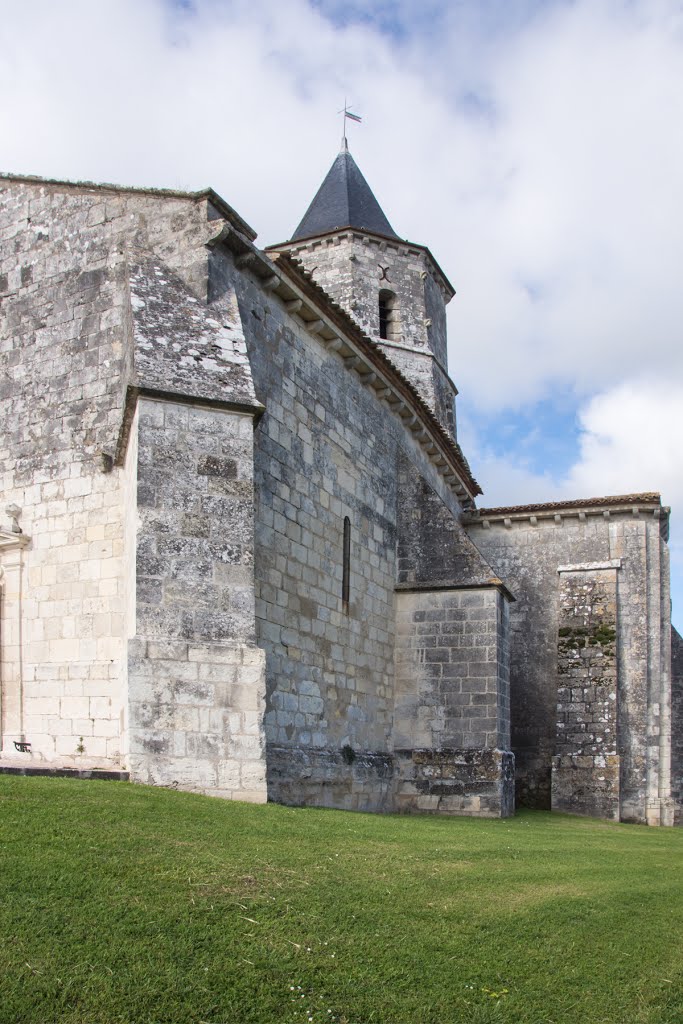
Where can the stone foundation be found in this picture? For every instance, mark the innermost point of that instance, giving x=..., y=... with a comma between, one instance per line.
x=478, y=783
x=343, y=778
x=533, y=774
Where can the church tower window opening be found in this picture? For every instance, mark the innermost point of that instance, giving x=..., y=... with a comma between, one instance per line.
x=387, y=314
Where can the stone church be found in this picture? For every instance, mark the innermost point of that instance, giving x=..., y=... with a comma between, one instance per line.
x=241, y=550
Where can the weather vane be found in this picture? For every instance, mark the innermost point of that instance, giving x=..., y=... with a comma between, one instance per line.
x=352, y=117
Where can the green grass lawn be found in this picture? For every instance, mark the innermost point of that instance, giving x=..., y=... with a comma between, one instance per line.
x=122, y=904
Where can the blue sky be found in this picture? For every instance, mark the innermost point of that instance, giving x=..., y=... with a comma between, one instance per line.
x=534, y=146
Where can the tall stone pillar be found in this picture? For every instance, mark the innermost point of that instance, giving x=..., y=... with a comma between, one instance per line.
x=196, y=679
x=196, y=683
x=585, y=770
x=11, y=642
x=452, y=702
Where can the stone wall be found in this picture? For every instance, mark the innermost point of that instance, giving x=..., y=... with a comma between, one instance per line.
x=452, y=704
x=451, y=710
x=196, y=686
x=121, y=300
x=195, y=540
x=677, y=724
x=585, y=775
x=62, y=354
x=527, y=550
x=323, y=453
x=327, y=449
x=164, y=500
x=71, y=344
x=433, y=547
x=342, y=778
x=196, y=714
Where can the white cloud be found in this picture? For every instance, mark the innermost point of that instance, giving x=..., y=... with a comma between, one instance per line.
x=556, y=212
x=571, y=273
x=537, y=151
x=630, y=441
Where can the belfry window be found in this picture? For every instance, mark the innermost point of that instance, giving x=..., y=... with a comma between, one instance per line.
x=387, y=310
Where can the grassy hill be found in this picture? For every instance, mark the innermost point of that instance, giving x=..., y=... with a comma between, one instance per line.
x=121, y=904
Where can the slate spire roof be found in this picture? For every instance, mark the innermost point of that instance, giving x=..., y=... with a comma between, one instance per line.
x=344, y=200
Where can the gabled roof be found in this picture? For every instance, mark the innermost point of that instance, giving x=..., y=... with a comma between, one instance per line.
x=344, y=200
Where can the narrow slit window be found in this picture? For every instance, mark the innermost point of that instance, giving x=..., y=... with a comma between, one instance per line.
x=383, y=317
x=387, y=313
x=346, y=571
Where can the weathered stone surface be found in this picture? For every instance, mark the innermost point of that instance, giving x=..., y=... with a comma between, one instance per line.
x=452, y=670
x=331, y=778
x=65, y=362
x=354, y=266
x=204, y=589
x=181, y=346
x=188, y=732
x=585, y=770
x=677, y=724
x=326, y=449
x=528, y=550
x=478, y=783
x=192, y=522
x=452, y=693
x=433, y=548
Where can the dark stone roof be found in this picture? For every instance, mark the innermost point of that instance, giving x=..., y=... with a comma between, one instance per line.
x=344, y=200
x=182, y=346
x=433, y=549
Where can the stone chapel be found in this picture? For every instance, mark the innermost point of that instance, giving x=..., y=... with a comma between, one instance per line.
x=241, y=549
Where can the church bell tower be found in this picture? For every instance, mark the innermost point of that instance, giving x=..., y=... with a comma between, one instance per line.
x=393, y=288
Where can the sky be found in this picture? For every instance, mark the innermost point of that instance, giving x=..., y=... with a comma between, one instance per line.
x=534, y=145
